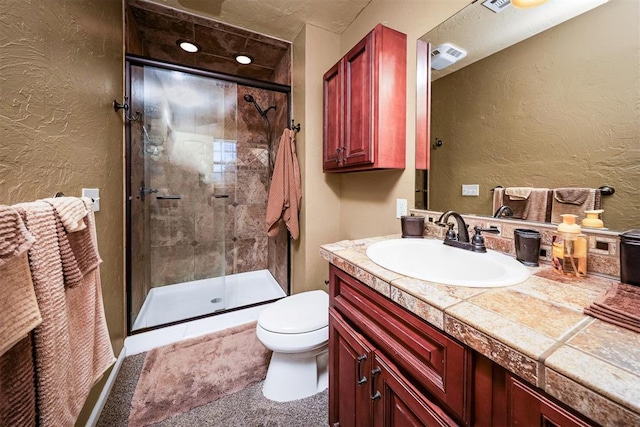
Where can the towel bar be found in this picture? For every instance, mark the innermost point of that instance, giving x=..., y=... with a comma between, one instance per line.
x=605, y=190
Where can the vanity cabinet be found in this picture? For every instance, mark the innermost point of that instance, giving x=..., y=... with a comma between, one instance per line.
x=364, y=112
x=388, y=367
x=528, y=407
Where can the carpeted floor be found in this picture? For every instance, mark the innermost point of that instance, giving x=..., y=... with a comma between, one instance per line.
x=245, y=408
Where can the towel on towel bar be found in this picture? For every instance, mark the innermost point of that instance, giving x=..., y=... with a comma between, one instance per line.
x=19, y=315
x=19, y=312
x=285, y=193
x=78, y=251
x=17, y=391
x=527, y=203
x=71, y=211
x=518, y=193
x=573, y=201
x=72, y=345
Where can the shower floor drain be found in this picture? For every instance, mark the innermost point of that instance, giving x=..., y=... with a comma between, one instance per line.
x=216, y=300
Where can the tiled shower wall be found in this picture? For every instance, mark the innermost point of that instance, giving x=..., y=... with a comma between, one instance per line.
x=246, y=210
x=200, y=236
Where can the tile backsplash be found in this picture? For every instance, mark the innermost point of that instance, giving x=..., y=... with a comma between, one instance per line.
x=603, y=256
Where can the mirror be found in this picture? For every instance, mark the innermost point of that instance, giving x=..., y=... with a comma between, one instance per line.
x=560, y=108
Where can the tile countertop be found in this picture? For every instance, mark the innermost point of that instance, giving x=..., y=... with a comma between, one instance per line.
x=536, y=329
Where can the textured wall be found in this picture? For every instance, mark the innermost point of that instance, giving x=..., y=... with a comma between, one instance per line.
x=368, y=198
x=60, y=70
x=558, y=110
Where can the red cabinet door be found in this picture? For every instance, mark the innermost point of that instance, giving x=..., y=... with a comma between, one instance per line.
x=349, y=375
x=528, y=408
x=332, y=118
x=397, y=403
x=358, y=110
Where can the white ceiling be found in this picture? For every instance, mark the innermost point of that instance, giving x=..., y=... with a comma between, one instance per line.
x=482, y=32
x=281, y=19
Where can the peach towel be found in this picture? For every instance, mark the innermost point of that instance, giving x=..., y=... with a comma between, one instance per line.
x=72, y=345
x=71, y=211
x=19, y=312
x=17, y=391
x=518, y=193
x=573, y=201
x=19, y=315
x=285, y=193
x=78, y=250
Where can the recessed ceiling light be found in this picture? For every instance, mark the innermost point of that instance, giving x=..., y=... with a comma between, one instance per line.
x=244, y=59
x=188, y=46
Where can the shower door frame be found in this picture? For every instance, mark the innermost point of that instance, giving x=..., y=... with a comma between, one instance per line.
x=134, y=60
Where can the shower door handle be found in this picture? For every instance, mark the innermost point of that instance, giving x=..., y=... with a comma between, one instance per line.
x=142, y=192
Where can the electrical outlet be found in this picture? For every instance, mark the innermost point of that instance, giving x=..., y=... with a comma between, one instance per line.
x=470, y=190
x=401, y=207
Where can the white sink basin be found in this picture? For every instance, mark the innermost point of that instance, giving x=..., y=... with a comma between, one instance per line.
x=433, y=261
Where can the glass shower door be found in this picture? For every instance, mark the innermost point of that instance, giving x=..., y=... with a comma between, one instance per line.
x=182, y=157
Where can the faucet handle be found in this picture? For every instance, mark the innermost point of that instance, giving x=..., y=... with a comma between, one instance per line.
x=451, y=235
x=477, y=242
x=493, y=229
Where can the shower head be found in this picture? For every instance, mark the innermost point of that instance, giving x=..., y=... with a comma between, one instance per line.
x=251, y=99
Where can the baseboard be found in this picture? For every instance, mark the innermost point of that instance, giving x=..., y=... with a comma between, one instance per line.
x=102, y=399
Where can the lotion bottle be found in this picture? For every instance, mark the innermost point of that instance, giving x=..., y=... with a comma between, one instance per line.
x=569, y=248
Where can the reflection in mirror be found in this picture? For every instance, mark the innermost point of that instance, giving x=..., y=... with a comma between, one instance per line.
x=559, y=109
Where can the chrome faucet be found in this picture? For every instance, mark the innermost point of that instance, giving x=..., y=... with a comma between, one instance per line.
x=461, y=239
x=503, y=210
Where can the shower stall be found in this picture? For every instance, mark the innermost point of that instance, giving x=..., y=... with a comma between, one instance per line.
x=200, y=153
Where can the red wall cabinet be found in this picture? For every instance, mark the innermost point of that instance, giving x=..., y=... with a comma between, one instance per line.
x=364, y=123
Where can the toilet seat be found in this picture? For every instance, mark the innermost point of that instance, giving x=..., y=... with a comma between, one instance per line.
x=296, y=329
x=293, y=343
x=298, y=314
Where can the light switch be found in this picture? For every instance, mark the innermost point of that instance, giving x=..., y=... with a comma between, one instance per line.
x=470, y=189
x=93, y=193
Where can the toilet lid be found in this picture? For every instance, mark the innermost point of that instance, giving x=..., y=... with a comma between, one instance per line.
x=304, y=312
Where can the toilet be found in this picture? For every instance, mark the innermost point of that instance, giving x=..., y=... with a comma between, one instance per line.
x=296, y=329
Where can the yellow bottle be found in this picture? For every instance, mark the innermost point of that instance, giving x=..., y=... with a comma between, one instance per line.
x=593, y=219
x=569, y=248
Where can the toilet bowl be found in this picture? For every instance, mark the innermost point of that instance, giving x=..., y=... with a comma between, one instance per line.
x=296, y=329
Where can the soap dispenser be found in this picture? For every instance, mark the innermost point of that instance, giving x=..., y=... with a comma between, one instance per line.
x=569, y=248
x=592, y=219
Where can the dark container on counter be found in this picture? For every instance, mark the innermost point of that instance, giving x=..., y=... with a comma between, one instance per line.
x=630, y=257
x=527, y=244
x=412, y=226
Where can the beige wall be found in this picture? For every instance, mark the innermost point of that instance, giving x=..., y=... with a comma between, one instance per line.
x=557, y=110
x=314, y=51
x=361, y=204
x=61, y=68
x=368, y=199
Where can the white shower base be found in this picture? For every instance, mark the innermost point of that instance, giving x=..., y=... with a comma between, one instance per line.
x=172, y=303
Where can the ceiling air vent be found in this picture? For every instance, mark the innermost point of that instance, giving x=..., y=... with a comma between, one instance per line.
x=497, y=5
x=445, y=55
